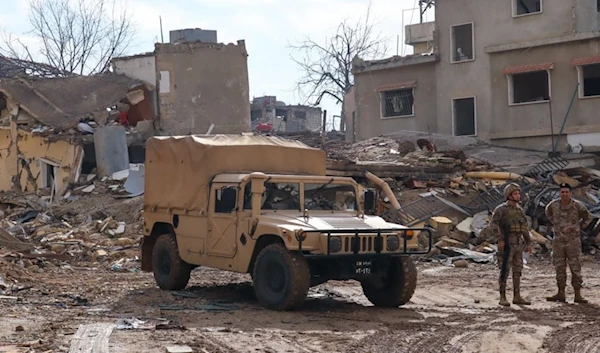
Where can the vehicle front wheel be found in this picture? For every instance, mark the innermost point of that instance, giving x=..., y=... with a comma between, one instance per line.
x=398, y=285
x=170, y=271
x=281, y=278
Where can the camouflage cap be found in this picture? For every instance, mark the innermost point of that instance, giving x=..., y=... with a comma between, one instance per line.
x=510, y=188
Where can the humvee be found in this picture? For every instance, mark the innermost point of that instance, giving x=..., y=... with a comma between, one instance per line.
x=265, y=206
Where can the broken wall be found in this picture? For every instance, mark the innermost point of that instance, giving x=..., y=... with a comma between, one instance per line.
x=202, y=84
x=143, y=68
x=35, y=153
x=26, y=160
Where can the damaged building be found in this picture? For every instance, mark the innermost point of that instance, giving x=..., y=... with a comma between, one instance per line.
x=201, y=85
x=45, y=123
x=515, y=73
x=273, y=115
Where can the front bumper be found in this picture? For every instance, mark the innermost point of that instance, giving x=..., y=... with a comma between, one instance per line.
x=366, y=242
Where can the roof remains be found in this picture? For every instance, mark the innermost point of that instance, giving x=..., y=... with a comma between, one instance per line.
x=63, y=102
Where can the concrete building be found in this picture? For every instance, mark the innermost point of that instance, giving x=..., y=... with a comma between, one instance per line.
x=501, y=71
x=283, y=117
x=199, y=83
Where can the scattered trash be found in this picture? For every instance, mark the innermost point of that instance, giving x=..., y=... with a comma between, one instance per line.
x=133, y=324
x=89, y=188
x=179, y=349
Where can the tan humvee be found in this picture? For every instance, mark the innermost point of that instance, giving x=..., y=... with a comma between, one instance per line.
x=265, y=206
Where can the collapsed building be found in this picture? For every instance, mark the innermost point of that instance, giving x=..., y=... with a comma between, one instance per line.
x=43, y=123
x=53, y=129
x=273, y=115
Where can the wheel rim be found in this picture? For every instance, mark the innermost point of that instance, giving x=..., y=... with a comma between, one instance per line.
x=275, y=277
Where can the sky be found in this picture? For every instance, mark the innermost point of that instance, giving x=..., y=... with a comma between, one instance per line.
x=269, y=27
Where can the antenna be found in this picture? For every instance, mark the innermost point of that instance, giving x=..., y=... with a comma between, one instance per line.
x=162, y=40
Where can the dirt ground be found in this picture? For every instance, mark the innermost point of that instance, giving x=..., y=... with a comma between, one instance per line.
x=453, y=310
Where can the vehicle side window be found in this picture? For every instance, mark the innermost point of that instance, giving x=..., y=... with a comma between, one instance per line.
x=248, y=196
x=225, y=199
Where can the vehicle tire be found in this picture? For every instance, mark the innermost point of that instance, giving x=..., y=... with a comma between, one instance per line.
x=170, y=271
x=399, y=284
x=281, y=278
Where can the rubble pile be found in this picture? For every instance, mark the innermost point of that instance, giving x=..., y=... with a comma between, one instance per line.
x=96, y=223
x=469, y=237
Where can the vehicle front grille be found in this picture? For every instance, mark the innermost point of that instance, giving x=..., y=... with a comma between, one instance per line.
x=364, y=243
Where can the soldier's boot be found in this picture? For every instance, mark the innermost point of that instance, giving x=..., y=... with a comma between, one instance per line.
x=517, y=299
x=560, y=296
x=503, y=300
x=578, y=298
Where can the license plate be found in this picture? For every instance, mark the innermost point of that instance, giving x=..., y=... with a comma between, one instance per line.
x=363, y=267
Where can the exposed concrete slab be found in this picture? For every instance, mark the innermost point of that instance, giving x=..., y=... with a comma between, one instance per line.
x=512, y=159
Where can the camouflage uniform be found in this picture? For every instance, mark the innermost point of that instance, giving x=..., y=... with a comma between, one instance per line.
x=567, y=222
x=512, y=220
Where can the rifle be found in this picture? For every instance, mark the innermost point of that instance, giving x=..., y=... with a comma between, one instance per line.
x=505, y=253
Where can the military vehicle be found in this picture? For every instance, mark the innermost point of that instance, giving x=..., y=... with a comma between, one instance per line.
x=264, y=205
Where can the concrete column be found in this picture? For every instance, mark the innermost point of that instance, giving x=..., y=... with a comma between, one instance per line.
x=110, y=144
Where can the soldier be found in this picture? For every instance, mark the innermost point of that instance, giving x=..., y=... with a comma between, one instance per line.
x=509, y=224
x=568, y=218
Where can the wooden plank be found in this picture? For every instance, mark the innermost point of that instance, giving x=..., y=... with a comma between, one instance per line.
x=9, y=241
x=91, y=338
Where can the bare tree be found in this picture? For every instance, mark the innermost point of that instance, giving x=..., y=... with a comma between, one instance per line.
x=327, y=67
x=74, y=36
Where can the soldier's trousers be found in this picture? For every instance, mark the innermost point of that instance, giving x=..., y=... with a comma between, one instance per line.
x=567, y=251
x=515, y=263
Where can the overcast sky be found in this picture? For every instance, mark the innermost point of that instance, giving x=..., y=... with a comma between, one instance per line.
x=267, y=26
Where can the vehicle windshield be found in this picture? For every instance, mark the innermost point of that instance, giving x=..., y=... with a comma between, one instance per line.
x=329, y=196
x=281, y=196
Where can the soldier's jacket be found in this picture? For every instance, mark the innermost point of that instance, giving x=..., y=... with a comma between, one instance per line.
x=568, y=220
x=511, y=219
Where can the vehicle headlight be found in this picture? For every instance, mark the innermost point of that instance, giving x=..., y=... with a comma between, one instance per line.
x=393, y=243
x=335, y=244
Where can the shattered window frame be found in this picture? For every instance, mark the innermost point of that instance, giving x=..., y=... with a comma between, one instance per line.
x=467, y=56
x=391, y=98
x=323, y=199
x=511, y=88
x=527, y=12
x=581, y=78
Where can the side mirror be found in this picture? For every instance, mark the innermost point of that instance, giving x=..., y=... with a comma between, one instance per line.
x=228, y=199
x=370, y=202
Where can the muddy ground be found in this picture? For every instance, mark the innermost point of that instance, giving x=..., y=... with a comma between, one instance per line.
x=453, y=310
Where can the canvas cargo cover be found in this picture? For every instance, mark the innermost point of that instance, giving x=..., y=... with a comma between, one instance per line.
x=179, y=168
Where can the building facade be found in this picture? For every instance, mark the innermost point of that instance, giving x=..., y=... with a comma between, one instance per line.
x=199, y=84
x=506, y=72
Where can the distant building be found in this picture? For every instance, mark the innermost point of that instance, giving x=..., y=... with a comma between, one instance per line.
x=284, y=118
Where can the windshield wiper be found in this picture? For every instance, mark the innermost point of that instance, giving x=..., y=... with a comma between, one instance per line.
x=321, y=188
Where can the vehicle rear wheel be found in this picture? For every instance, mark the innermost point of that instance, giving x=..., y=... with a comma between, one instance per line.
x=398, y=286
x=281, y=278
x=170, y=271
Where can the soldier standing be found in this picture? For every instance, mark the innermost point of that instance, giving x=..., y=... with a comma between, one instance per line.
x=509, y=224
x=568, y=218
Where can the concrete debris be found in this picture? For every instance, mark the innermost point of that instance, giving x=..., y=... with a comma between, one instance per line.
x=179, y=349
